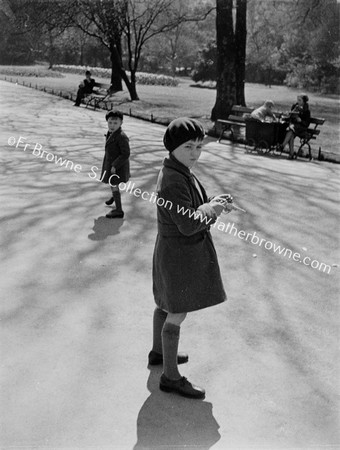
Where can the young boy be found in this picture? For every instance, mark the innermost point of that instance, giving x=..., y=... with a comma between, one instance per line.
x=116, y=165
x=186, y=274
x=264, y=111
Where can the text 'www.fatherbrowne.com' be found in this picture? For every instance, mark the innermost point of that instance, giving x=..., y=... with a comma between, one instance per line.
x=254, y=239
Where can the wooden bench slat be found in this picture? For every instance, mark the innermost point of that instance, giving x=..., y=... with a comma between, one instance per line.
x=239, y=123
x=317, y=121
x=236, y=118
x=242, y=109
x=313, y=131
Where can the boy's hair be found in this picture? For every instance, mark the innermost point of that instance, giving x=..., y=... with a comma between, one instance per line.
x=88, y=73
x=114, y=114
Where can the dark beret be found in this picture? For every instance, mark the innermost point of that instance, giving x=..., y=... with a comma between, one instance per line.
x=182, y=130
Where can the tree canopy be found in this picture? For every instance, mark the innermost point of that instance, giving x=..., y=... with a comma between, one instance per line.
x=291, y=41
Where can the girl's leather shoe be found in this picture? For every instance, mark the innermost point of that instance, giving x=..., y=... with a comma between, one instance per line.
x=182, y=387
x=157, y=358
x=114, y=214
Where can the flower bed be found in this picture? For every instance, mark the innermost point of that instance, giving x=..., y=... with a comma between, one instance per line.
x=33, y=71
x=141, y=77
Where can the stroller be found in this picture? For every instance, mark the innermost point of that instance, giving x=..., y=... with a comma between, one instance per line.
x=264, y=137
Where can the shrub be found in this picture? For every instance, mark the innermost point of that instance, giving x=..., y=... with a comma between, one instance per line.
x=101, y=72
x=205, y=68
x=320, y=78
x=20, y=71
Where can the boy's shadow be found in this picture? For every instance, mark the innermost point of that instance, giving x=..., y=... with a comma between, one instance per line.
x=172, y=422
x=104, y=227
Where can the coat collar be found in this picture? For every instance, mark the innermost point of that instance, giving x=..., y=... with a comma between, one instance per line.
x=173, y=163
x=111, y=136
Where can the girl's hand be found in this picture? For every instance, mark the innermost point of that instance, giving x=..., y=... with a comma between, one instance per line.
x=227, y=197
x=218, y=203
x=230, y=205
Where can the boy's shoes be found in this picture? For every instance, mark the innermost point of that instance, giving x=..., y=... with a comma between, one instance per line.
x=182, y=387
x=114, y=214
x=76, y=104
x=156, y=359
x=109, y=202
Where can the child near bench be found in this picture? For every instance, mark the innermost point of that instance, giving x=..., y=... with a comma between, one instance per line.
x=265, y=112
x=116, y=164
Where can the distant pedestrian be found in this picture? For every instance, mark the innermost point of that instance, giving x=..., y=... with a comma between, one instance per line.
x=186, y=274
x=116, y=164
x=86, y=87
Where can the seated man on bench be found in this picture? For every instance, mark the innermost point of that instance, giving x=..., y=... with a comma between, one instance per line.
x=86, y=87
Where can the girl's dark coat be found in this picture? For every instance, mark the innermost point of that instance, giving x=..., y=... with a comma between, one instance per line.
x=117, y=153
x=186, y=274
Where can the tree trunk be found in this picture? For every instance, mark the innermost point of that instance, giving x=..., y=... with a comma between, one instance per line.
x=131, y=85
x=81, y=57
x=240, y=40
x=118, y=73
x=226, y=61
x=50, y=51
x=116, y=78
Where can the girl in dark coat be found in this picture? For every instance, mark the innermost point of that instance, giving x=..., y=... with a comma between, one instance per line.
x=186, y=274
x=299, y=122
x=116, y=165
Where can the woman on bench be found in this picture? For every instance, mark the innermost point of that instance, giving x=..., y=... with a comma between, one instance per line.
x=299, y=120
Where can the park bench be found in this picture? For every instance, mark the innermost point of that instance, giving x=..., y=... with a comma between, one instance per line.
x=239, y=115
x=235, y=119
x=100, y=95
x=311, y=133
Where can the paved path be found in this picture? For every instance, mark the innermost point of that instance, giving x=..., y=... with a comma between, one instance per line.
x=76, y=300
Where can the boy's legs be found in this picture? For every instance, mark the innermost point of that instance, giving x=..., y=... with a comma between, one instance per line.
x=112, y=199
x=118, y=212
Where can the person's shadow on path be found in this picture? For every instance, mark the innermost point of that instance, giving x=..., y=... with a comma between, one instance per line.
x=104, y=227
x=171, y=422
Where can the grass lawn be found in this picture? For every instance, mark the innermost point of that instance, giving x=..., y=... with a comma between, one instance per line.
x=166, y=103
